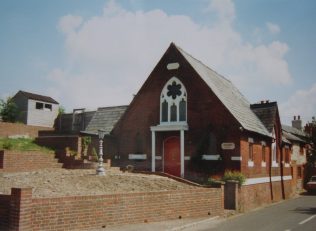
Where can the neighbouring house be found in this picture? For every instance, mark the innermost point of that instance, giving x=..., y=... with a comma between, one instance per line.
x=299, y=142
x=34, y=109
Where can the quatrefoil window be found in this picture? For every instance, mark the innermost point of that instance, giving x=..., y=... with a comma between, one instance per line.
x=174, y=90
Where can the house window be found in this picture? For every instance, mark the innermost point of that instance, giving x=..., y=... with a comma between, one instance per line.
x=173, y=102
x=287, y=155
x=299, y=172
x=263, y=153
x=48, y=107
x=39, y=106
x=250, y=155
x=274, y=150
x=301, y=149
x=251, y=151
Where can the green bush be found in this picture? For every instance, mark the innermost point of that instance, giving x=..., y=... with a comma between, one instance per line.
x=7, y=145
x=211, y=181
x=234, y=175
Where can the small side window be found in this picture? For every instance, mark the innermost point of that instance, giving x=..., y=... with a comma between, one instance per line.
x=39, y=106
x=48, y=107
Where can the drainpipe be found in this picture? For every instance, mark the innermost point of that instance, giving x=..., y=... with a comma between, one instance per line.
x=270, y=170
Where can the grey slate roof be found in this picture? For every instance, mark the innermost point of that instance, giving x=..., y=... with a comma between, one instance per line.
x=291, y=137
x=294, y=131
x=266, y=112
x=105, y=118
x=33, y=96
x=229, y=95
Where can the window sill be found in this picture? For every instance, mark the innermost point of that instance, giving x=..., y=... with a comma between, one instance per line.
x=263, y=164
x=275, y=164
x=286, y=165
x=250, y=163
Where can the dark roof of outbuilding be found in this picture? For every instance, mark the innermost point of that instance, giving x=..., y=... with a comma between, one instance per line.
x=228, y=94
x=105, y=118
x=33, y=96
x=266, y=112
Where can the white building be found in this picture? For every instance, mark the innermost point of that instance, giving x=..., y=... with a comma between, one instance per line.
x=36, y=110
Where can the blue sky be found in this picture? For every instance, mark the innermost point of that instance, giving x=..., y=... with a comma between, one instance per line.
x=98, y=53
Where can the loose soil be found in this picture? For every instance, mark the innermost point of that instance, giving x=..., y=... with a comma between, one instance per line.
x=62, y=182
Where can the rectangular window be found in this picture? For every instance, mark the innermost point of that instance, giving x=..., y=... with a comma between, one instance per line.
x=299, y=172
x=39, y=106
x=263, y=153
x=48, y=107
x=173, y=112
x=250, y=151
x=287, y=155
x=301, y=150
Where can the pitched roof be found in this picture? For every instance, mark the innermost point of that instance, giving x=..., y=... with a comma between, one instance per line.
x=44, y=98
x=228, y=94
x=105, y=118
x=294, y=131
x=292, y=137
x=267, y=113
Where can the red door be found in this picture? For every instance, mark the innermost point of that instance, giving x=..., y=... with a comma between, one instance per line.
x=172, y=164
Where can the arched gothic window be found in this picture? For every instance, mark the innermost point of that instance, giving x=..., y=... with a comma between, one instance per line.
x=173, y=102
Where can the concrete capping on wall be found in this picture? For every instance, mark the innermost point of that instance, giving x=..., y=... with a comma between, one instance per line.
x=261, y=180
x=100, y=211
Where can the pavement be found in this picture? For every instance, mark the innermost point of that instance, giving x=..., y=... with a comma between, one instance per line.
x=170, y=225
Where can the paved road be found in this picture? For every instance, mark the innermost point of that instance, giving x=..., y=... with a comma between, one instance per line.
x=292, y=215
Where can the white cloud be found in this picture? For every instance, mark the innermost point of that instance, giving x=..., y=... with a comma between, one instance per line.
x=109, y=56
x=273, y=28
x=225, y=9
x=302, y=102
x=69, y=23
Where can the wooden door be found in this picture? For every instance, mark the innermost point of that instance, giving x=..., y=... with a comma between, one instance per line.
x=172, y=164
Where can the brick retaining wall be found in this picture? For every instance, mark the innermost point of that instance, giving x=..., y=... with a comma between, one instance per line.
x=17, y=129
x=92, y=212
x=17, y=161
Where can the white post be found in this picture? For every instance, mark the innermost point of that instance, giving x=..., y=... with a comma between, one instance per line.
x=153, y=151
x=182, y=152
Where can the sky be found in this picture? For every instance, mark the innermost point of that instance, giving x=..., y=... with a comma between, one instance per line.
x=98, y=53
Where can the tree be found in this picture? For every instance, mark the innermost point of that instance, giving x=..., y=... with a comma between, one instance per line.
x=8, y=110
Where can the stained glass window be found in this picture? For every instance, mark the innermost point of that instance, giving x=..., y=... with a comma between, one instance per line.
x=173, y=102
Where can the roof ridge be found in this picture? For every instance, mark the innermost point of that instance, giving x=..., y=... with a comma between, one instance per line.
x=112, y=107
x=201, y=63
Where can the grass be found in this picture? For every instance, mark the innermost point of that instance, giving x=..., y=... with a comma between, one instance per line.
x=21, y=144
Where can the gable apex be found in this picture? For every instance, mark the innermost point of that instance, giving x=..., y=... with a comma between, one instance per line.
x=227, y=93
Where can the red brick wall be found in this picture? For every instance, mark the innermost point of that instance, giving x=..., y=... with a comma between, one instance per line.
x=253, y=196
x=256, y=195
x=92, y=212
x=15, y=161
x=257, y=170
x=14, y=129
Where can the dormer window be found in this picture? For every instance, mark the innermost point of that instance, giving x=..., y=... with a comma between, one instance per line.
x=173, y=102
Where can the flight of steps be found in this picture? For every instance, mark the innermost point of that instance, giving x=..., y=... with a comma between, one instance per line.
x=19, y=161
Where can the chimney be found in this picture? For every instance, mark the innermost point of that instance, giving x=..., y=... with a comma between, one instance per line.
x=297, y=123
